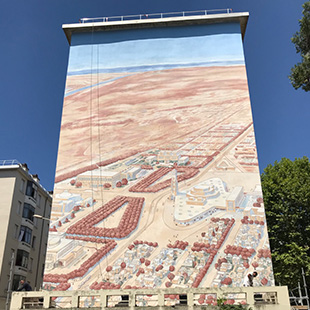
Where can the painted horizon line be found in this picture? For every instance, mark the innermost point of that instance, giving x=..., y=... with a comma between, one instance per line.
x=145, y=68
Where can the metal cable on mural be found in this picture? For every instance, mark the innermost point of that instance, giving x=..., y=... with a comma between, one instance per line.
x=166, y=192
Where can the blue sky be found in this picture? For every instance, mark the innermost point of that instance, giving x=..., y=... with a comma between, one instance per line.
x=34, y=53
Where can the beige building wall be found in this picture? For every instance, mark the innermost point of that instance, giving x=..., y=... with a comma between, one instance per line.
x=6, y=190
x=14, y=198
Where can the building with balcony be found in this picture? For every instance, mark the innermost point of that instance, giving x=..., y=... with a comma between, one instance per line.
x=23, y=237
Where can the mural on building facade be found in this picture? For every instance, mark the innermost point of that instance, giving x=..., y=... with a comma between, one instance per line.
x=157, y=181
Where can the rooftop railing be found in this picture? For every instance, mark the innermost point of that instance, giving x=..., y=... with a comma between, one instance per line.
x=15, y=162
x=154, y=15
x=9, y=162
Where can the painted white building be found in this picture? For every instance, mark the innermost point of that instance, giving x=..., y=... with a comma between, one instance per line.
x=235, y=198
x=98, y=177
x=200, y=201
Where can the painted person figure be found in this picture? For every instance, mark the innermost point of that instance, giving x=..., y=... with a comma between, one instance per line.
x=248, y=280
x=24, y=286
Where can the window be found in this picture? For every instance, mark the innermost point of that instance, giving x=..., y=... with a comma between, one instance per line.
x=11, y=257
x=25, y=234
x=49, y=209
x=39, y=201
x=22, y=186
x=16, y=280
x=19, y=208
x=30, y=264
x=34, y=241
x=31, y=190
x=35, y=221
x=22, y=258
x=28, y=211
x=16, y=234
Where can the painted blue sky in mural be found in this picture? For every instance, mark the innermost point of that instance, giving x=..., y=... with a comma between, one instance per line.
x=224, y=49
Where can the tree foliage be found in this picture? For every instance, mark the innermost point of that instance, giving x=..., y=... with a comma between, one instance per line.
x=222, y=305
x=300, y=73
x=286, y=189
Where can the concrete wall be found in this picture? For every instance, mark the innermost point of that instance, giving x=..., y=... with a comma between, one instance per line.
x=132, y=94
x=258, y=298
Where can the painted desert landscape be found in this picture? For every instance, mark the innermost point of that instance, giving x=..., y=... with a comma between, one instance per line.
x=157, y=183
x=146, y=110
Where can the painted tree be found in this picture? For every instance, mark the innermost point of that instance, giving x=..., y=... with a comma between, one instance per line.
x=124, y=181
x=107, y=185
x=78, y=184
x=119, y=184
x=286, y=189
x=300, y=73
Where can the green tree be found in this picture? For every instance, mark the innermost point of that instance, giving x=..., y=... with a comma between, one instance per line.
x=300, y=73
x=221, y=305
x=286, y=189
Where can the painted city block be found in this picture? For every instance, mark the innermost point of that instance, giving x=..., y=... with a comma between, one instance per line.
x=157, y=181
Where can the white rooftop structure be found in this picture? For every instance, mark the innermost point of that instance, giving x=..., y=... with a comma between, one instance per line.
x=157, y=20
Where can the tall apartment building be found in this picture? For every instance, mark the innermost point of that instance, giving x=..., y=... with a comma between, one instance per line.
x=160, y=95
x=22, y=197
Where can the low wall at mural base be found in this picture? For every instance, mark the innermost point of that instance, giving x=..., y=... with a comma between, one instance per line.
x=273, y=298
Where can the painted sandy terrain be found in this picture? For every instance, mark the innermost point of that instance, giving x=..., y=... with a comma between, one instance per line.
x=146, y=110
x=202, y=114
